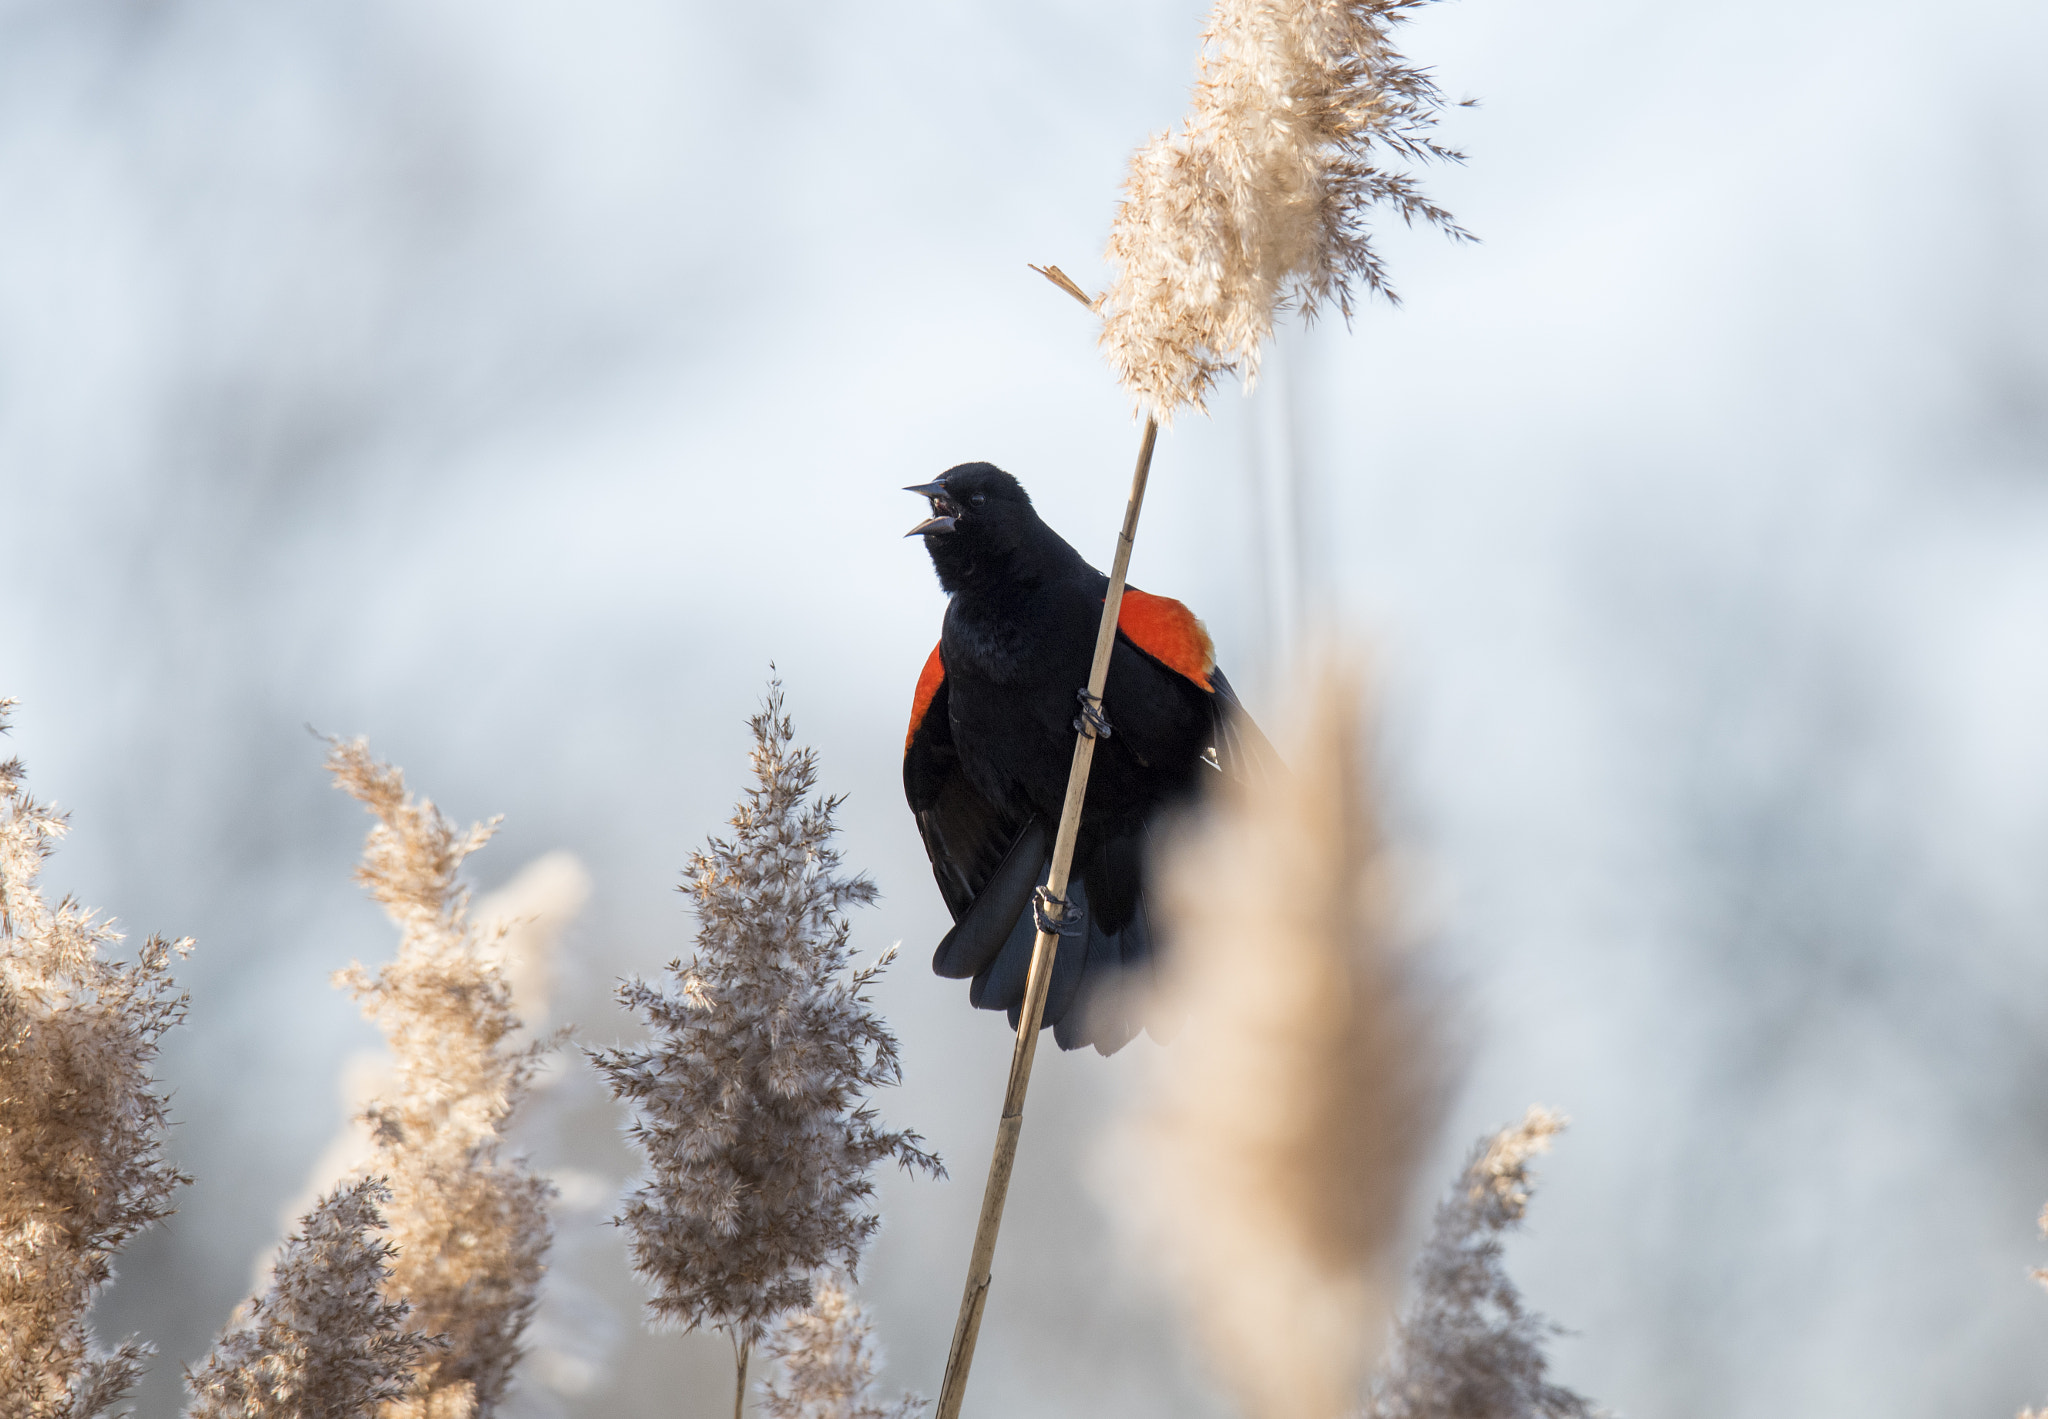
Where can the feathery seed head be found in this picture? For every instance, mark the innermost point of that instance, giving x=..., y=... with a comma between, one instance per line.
x=321, y=1342
x=1260, y=200
x=750, y=1097
x=82, y=1169
x=522, y=924
x=521, y=927
x=829, y=1357
x=1466, y=1345
x=470, y=1227
x=1278, y=1135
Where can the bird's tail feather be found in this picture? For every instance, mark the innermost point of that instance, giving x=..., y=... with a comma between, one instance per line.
x=1000, y=984
x=988, y=923
x=1099, y=986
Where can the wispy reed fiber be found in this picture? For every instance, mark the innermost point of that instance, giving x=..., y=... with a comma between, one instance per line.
x=1275, y=1141
x=1260, y=199
x=81, y=1122
x=518, y=926
x=749, y=1099
x=522, y=924
x=1467, y=1349
x=828, y=1356
x=321, y=1342
x=470, y=1226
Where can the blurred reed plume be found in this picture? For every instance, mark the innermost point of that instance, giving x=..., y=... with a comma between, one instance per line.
x=321, y=1342
x=1260, y=200
x=1466, y=1348
x=828, y=1358
x=519, y=926
x=470, y=1228
x=522, y=924
x=81, y=1123
x=1275, y=1142
x=750, y=1098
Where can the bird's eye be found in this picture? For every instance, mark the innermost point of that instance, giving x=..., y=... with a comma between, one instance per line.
x=977, y=500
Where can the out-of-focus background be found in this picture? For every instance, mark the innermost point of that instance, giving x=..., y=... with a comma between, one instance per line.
x=514, y=382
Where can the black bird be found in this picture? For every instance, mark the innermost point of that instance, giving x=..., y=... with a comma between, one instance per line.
x=991, y=742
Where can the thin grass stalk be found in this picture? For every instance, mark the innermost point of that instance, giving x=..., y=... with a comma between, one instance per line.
x=967, y=1329
x=739, y=1392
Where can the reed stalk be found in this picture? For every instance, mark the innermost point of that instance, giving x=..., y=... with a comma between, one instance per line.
x=1011, y=1125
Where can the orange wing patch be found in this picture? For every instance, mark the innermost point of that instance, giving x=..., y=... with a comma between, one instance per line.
x=928, y=683
x=1169, y=633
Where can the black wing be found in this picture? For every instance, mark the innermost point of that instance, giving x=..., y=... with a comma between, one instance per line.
x=1241, y=750
x=985, y=861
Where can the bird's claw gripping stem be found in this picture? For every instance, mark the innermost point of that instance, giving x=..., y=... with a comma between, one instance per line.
x=1091, y=721
x=1067, y=923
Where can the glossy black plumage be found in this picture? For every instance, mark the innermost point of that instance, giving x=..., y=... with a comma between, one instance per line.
x=992, y=739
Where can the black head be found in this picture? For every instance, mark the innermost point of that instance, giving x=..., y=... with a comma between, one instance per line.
x=982, y=523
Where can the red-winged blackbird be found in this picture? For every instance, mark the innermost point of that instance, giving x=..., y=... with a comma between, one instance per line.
x=991, y=742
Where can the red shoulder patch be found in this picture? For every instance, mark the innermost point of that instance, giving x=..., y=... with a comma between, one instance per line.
x=1169, y=633
x=928, y=683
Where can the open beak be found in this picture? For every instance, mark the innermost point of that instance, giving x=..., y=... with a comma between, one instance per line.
x=944, y=514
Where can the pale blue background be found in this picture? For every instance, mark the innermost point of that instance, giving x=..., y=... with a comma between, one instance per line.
x=513, y=382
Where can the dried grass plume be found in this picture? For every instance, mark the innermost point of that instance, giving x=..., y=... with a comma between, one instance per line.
x=1467, y=1349
x=321, y=1342
x=749, y=1099
x=469, y=1224
x=1260, y=199
x=828, y=1358
x=82, y=1124
x=522, y=924
x=519, y=927
x=1267, y=1167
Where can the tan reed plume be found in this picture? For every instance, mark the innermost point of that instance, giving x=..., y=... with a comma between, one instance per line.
x=1270, y=1154
x=1466, y=1347
x=750, y=1099
x=828, y=1359
x=470, y=1225
x=519, y=926
x=522, y=924
x=82, y=1125
x=321, y=1342
x=1259, y=201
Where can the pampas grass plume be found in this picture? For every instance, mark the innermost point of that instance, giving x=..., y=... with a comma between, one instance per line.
x=1467, y=1348
x=321, y=1342
x=1274, y=1143
x=81, y=1122
x=749, y=1099
x=828, y=1356
x=519, y=928
x=1260, y=199
x=470, y=1226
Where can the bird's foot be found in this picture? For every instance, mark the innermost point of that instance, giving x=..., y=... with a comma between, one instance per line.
x=1068, y=922
x=1091, y=721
